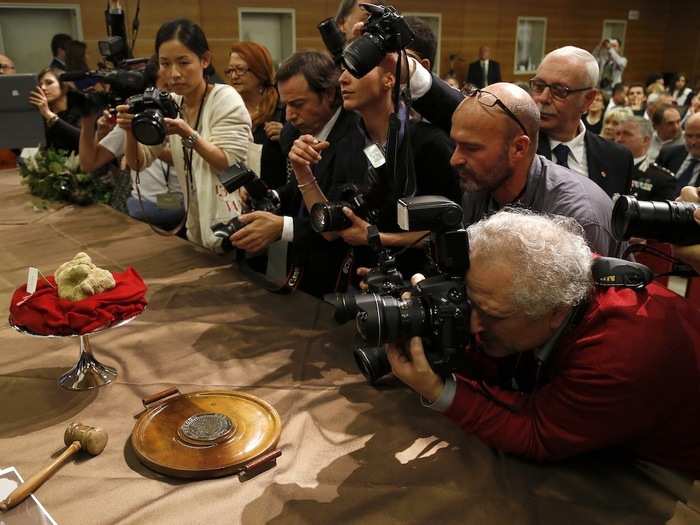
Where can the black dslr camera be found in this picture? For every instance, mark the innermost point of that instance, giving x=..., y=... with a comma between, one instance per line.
x=664, y=221
x=150, y=108
x=261, y=197
x=329, y=216
x=385, y=31
x=437, y=311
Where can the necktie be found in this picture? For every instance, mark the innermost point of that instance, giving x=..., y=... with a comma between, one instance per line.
x=686, y=175
x=485, y=73
x=561, y=153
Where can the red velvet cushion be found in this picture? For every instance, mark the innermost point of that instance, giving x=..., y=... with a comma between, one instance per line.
x=45, y=313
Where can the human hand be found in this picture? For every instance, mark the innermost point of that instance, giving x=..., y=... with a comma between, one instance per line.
x=273, y=130
x=262, y=228
x=37, y=98
x=690, y=254
x=177, y=126
x=105, y=123
x=306, y=151
x=124, y=118
x=356, y=234
x=413, y=369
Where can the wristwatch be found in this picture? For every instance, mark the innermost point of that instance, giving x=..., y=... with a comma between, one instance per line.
x=190, y=141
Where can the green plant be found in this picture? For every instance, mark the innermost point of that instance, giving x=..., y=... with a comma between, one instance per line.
x=55, y=175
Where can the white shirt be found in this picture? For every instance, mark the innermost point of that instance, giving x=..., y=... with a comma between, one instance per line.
x=288, y=224
x=578, y=163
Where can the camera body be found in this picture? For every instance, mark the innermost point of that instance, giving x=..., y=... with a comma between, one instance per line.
x=150, y=108
x=261, y=197
x=385, y=31
x=329, y=216
x=437, y=310
x=664, y=221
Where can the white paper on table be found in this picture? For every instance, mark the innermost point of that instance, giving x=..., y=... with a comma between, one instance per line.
x=29, y=512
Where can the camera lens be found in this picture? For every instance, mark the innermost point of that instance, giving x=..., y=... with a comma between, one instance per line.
x=372, y=362
x=345, y=306
x=148, y=127
x=664, y=221
x=329, y=217
x=363, y=54
x=384, y=319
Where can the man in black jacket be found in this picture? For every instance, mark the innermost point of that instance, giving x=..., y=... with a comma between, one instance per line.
x=684, y=160
x=484, y=71
x=563, y=90
x=308, y=85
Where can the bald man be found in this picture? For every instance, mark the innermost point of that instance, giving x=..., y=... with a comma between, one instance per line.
x=7, y=66
x=496, y=133
x=684, y=160
x=563, y=90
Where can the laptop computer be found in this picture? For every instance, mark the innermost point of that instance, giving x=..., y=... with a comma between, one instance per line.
x=20, y=123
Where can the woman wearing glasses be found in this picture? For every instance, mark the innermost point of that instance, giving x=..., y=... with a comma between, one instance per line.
x=250, y=73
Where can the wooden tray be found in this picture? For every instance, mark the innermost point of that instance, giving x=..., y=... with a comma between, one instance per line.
x=207, y=434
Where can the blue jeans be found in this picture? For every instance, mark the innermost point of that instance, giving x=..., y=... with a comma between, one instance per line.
x=162, y=218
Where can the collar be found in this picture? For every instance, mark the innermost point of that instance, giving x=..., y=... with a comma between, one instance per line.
x=576, y=145
x=326, y=129
x=642, y=163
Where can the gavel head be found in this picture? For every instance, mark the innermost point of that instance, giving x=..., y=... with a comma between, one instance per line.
x=92, y=439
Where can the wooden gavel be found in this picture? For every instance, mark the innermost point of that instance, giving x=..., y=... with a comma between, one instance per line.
x=77, y=437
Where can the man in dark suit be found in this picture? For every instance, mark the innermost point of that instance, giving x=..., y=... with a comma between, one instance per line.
x=308, y=85
x=484, y=71
x=59, y=45
x=563, y=90
x=684, y=160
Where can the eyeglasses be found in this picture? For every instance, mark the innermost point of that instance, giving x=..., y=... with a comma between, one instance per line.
x=239, y=71
x=488, y=99
x=557, y=90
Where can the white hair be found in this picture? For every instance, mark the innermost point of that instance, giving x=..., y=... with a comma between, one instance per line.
x=548, y=256
x=586, y=59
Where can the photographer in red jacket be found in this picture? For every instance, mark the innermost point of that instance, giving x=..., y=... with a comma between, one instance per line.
x=560, y=366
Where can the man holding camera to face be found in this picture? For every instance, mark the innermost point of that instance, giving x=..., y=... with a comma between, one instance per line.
x=561, y=365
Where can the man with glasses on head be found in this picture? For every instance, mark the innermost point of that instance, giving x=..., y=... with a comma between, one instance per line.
x=563, y=90
x=496, y=131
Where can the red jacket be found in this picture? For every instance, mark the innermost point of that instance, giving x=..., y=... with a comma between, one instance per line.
x=627, y=375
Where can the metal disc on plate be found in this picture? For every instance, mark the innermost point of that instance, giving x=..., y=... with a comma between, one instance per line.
x=205, y=434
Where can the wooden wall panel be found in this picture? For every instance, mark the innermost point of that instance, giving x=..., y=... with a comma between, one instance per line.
x=665, y=38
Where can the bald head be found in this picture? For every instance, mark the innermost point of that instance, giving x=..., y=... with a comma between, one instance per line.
x=582, y=65
x=692, y=135
x=7, y=66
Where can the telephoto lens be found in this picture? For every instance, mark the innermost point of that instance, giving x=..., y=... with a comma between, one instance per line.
x=663, y=221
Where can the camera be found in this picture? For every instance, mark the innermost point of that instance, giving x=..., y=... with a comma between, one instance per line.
x=437, y=310
x=664, y=221
x=329, y=216
x=333, y=38
x=261, y=197
x=385, y=31
x=122, y=85
x=150, y=109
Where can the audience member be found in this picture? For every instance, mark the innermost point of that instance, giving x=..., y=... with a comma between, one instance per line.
x=496, y=133
x=693, y=108
x=636, y=98
x=612, y=121
x=563, y=90
x=62, y=122
x=250, y=72
x=650, y=181
x=158, y=198
x=561, y=366
x=681, y=93
x=690, y=254
x=666, y=120
x=684, y=160
x=7, y=66
x=655, y=84
x=618, y=98
x=593, y=119
x=611, y=63
x=309, y=88
x=212, y=134
x=76, y=58
x=424, y=45
x=453, y=82
x=59, y=49
x=484, y=71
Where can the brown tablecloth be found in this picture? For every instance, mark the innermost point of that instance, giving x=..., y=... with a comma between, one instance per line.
x=350, y=453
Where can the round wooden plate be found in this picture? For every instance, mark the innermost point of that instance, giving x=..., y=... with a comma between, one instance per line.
x=206, y=434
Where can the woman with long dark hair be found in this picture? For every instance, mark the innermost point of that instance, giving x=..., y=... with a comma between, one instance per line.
x=250, y=72
x=212, y=132
x=62, y=122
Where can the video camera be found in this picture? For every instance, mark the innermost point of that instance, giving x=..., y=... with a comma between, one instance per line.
x=385, y=31
x=664, y=221
x=123, y=84
x=262, y=198
x=437, y=309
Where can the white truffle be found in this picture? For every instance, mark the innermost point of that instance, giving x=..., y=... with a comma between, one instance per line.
x=80, y=278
